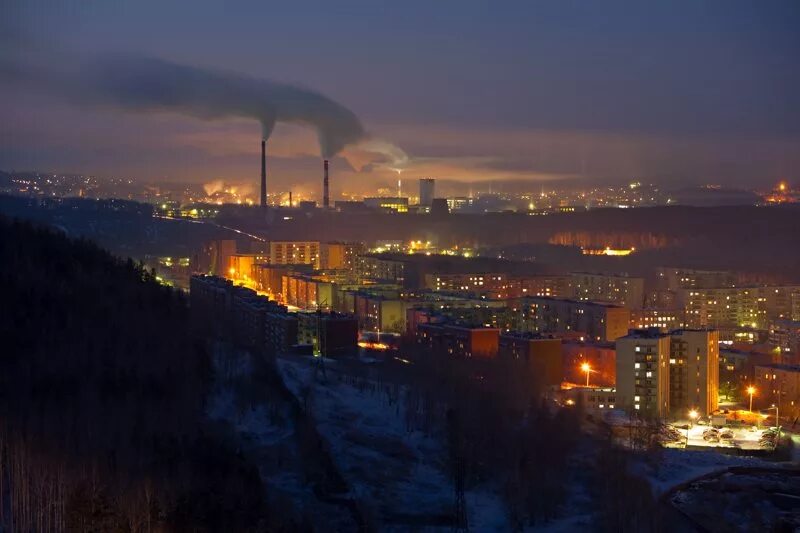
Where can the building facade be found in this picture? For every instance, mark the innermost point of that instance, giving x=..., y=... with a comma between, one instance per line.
x=643, y=373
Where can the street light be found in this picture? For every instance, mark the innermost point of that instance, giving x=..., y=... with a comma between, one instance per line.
x=586, y=368
x=777, y=416
x=751, y=390
x=692, y=416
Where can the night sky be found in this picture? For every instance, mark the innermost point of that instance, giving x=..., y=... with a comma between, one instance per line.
x=679, y=92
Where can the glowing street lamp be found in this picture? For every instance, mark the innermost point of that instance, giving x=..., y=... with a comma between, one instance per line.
x=588, y=369
x=693, y=414
x=751, y=391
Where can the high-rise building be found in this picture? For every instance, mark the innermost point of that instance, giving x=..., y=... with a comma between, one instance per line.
x=427, y=187
x=643, y=372
x=668, y=374
x=694, y=371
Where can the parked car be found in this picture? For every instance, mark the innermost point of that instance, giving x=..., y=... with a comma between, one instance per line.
x=711, y=435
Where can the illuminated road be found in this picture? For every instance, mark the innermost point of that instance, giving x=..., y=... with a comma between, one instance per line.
x=255, y=237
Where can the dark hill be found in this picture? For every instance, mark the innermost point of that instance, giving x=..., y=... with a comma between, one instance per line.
x=101, y=399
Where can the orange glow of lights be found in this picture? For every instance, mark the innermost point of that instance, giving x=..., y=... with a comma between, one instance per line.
x=373, y=345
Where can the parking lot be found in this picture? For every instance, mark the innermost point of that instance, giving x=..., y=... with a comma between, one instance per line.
x=745, y=438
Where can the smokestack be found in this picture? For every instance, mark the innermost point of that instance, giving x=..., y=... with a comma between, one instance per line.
x=325, y=197
x=290, y=198
x=264, y=173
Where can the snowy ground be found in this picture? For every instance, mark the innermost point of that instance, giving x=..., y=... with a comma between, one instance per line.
x=681, y=466
x=400, y=474
x=757, y=501
x=267, y=433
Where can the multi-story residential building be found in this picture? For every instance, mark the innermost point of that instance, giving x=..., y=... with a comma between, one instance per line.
x=557, y=286
x=500, y=286
x=234, y=312
x=295, y=253
x=540, y=353
x=643, y=372
x=472, y=283
x=341, y=255
x=778, y=385
x=269, y=278
x=618, y=289
x=694, y=371
x=725, y=307
x=597, y=321
x=377, y=267
x=784, y=336
x=664, y=319
x=796, y=307
x=281, y=331
x=458, y=341
x=688, y=278
x=331, y=334
x=668, y=374
x=780, y=301
x=376, y=312
x=308, y=292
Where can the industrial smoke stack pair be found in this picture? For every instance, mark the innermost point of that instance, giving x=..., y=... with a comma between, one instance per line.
x=325, y=195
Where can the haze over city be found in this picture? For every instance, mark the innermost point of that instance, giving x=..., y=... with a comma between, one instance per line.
x=428, y=266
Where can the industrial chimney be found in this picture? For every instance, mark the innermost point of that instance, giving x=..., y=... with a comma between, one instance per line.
x=264, y=173
x=325, y=196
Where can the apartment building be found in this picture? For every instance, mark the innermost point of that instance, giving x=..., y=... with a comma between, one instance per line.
x=643, y=372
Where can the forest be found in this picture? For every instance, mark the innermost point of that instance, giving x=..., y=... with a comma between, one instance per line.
x=102, y=393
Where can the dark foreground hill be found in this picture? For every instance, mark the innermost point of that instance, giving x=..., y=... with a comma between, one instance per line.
x=101, y=400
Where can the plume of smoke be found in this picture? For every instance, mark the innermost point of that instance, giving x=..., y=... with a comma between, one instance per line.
x=213, y=186
x=152, y=85
x=149, y=84
x=373, y=151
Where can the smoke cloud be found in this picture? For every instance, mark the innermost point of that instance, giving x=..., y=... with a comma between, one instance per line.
x=149, y=84
x=154, y=85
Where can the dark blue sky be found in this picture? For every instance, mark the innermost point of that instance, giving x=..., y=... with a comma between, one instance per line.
x=679, y=91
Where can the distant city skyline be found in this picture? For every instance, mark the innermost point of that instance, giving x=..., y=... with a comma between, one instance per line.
x=674, y=94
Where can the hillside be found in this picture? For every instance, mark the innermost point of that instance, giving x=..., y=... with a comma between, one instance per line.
x=102, y=393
